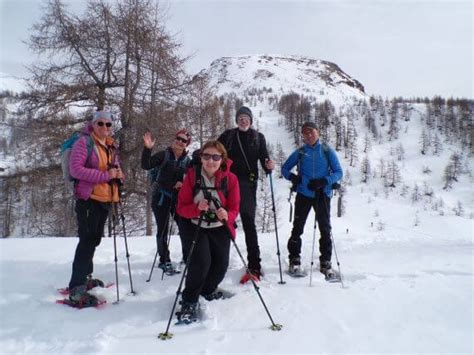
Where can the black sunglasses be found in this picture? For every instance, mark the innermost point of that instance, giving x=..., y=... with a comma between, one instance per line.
x=181, y=140
x=101, y=124
x=215, y=157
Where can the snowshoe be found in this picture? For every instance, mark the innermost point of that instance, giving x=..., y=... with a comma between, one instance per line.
x=218, y=294
x=97, y=303
x=252, y=274
x=329, y=273
x=190, y=312
x=296, y=271
x=168, y=268
x=80, y=298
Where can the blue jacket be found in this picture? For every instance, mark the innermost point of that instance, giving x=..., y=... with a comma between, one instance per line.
x=314, y=166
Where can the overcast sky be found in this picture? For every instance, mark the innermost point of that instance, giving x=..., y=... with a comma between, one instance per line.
x=394, y=48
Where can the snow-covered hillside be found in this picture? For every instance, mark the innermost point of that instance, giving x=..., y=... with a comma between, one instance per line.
x=283, y=74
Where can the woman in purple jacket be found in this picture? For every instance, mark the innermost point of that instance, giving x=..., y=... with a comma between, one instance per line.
x=94, y=166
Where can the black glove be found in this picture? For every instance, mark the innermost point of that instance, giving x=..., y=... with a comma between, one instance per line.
x=295, y=179
x=316, y=184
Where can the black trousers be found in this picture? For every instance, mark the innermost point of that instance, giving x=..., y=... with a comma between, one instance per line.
x=209, y=260
x=248, y=205
x=91, y=218
x=163, y=207
x=321, y=204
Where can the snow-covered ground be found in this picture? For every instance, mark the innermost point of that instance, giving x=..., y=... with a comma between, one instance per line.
x=404, y=293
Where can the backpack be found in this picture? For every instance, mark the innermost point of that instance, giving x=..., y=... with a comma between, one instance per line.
x=154, y=173
x=159, y=176
x=65, y=152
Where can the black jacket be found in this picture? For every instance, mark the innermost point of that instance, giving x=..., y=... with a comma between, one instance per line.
x=255, y=149
x=170, y=171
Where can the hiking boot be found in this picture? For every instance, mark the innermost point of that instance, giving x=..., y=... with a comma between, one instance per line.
x=218, y=294
x=80, y=298
x=168, y=268
x=189, y=312
x=295, y=266
x=92, y=283
x=329, y=273
x=325, y=267
x=215, y=295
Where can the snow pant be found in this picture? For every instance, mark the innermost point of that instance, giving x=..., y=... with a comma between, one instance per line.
x=209, y=260
x=163, y=207
x=91, y=218
x=248, y=205
x=321, y=204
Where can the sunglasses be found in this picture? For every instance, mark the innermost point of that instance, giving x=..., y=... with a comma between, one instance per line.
x=243, y=119
x=101, y=124
x=181, y=140
x=215, y=157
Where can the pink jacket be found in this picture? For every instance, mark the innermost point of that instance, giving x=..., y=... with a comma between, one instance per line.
x=86, y=172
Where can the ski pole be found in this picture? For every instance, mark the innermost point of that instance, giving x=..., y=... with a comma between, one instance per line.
x=157, y=250
x=333, y=243
x=276, y=229
x=274, y=326
x=312, y=250
x=127, y=254
x=112, y=231
x=166, y=335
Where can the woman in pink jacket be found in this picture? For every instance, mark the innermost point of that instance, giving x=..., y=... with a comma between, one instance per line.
x=94, y=166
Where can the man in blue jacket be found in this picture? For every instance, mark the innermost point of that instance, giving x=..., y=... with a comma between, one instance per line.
x=318, y=169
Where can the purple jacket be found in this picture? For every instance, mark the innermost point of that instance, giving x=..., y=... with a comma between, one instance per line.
x=87, y=173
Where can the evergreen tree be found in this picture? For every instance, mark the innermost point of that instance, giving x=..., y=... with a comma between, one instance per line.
x=393, y=126
x=393, y=174
x=365, y=170
x=424, y=142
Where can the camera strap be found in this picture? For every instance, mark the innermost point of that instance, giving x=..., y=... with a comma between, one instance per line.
x=243, y=153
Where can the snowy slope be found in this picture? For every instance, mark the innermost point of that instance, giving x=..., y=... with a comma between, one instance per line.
x=283, y=74
x=407, y=289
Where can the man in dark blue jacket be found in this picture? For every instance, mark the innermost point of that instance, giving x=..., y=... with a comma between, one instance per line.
x=318, y=170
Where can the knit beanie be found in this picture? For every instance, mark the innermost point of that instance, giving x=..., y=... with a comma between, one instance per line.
x=244, y=110
x=309, y=124
x=104, y=115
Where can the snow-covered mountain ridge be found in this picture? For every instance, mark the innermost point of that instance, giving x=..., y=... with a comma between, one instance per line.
x=283, y=74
